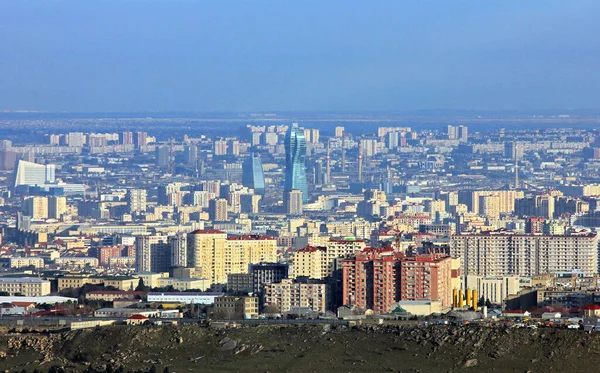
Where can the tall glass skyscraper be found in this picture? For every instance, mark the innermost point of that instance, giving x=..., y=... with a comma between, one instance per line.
x=253, y=175
x=295, y=152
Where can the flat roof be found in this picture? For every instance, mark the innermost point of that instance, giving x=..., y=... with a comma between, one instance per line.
x=37, y=300
x=187, y=294
x=23, y=279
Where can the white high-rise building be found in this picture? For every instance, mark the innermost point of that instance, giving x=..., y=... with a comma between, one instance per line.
x=505, y=253
x=76, y=139
x=29, y=173
x=136, y=200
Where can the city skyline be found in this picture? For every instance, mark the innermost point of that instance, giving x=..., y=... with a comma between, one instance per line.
x=299, y=186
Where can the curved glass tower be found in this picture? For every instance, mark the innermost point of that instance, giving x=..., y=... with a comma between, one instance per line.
x=253, y=175
x=295, y=152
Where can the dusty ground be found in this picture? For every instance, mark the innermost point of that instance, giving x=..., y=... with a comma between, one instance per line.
x=304, y=349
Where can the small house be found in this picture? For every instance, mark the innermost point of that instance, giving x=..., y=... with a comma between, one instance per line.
x=516, y=314
x=551, y=315
x=136, y=319
x=591, y=310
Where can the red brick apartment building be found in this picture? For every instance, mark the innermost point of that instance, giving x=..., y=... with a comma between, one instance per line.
x=376, y=278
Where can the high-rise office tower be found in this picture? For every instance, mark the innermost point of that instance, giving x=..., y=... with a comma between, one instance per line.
x=136, y=200
x=217, y=209
x=292, y=201
x=29, y=173
x=295, y=170
x=339, y=131
x=253, y=175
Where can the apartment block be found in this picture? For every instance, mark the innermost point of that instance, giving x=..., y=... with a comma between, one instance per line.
x=506, y=253
x=214, y=254
x=230, y=307
x=26, y=286
x=26, y=262
x=289, y=294
x=375, y=279
x=319, y=262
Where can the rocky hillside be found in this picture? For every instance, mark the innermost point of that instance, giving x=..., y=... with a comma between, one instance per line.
x=302, y=349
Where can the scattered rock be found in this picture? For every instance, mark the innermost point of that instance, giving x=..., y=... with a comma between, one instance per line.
x=228, y=345
x=470, y=363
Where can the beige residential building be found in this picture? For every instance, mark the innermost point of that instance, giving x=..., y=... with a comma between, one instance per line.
x=26, y=262
x=590, y=190
x=506, y=199
x=57, y=206
x=505, y=253
x=434, y=206
x=36, y=207
x=69, y=281
x=358, y=228
x=288, y=294
x=489, y=206
x=26, y=286
x=121, y=282
x=183, y=284
x=231, y=307
x=214, y=255
x=319, y=262
x=76, y=261
x=151, y=278
x=121, y=261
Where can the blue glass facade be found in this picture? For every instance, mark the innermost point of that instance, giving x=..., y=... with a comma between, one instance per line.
x=295, y=152
x=253, y=175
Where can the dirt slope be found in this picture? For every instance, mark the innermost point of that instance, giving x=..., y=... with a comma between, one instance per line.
x=304, y=349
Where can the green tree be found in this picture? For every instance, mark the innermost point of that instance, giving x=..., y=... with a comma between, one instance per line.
x=141, y=286
x=152, y=369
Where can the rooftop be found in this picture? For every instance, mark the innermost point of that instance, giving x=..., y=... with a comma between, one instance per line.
x=207, y=231
x=23, y=279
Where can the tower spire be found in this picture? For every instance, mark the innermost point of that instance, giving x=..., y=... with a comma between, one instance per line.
x=344, y=153
x=360, y=162
x=328, y=161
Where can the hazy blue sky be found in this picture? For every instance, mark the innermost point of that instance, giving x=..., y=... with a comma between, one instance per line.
x=125, y=55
